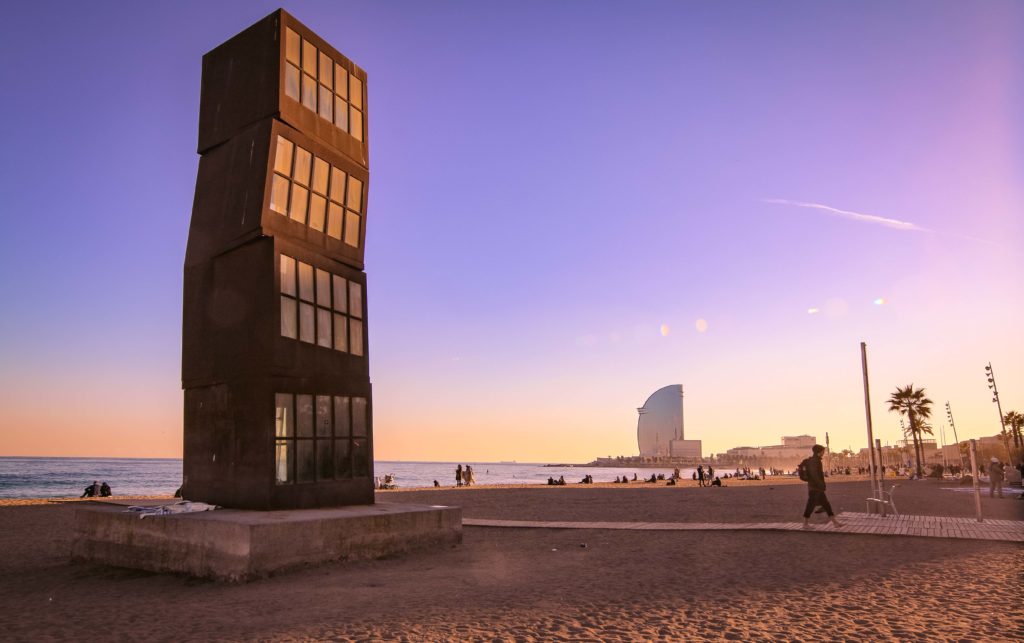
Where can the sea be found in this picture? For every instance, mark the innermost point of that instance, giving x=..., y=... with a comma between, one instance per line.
x=25, y=477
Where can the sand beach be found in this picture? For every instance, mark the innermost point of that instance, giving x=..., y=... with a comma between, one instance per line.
x=557, y=584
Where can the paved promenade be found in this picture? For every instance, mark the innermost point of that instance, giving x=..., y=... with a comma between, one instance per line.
x=853, y=523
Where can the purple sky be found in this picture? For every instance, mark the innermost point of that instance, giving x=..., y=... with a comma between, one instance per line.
x=559, y=192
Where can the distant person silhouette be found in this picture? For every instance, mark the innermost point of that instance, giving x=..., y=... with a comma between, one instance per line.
x=92, y=490
x=458, y=476
x=700, y=475
x=104, y=490
x=815, y=477
x=995, y=478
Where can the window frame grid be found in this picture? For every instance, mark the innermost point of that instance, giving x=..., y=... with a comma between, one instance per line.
x=329, y=440
x=333, y=307
x=345, y=210
x=353, y=101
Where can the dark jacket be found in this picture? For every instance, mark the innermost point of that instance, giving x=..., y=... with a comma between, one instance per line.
x=815, y=474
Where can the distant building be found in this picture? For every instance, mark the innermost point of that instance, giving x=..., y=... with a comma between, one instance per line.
x=793, y=449
x=659, y=430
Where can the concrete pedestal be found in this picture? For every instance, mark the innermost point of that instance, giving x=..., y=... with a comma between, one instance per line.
x=238, y=545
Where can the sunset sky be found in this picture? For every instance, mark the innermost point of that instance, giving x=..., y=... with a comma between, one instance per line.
x=571, y=205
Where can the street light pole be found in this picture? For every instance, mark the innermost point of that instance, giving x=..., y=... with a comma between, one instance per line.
x=999, y=407
x=949, y=414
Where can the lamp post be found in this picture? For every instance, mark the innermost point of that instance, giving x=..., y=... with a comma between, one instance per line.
x=999, y=407
x=949, y=415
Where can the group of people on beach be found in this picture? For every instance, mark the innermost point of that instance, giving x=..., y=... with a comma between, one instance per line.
x=464, y=476
x=97, y=490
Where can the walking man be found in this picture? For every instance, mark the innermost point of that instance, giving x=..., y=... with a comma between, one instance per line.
x=700, y=475
x=812, y=472
x=995, y=478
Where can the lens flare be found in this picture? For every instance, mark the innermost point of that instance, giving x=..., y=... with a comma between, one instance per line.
x=880, y=301
x=702, y=325
x=664, y=330
x=813, y=311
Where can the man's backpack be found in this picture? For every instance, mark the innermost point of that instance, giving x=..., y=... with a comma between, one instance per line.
x=801, y=470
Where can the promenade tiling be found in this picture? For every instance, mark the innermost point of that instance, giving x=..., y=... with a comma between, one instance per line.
x=852, y=523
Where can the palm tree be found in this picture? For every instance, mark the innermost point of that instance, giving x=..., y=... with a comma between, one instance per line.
x=1015, y=421
x=912, y=403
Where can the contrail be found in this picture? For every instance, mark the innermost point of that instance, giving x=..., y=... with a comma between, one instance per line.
x=849, y=214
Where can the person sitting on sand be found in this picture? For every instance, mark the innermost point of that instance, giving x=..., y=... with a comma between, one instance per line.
x=634, y=477
x=436, y=483
x=561, y=480
x=92, y=490
x=716, y=482
x=551, y=481
x=104, y=490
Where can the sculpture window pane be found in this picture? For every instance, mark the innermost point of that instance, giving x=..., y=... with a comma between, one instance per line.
x=303, y=160
x=297, y=205
x=337, y=185
x=305, y=462
x=342, y=459
x=323, y=288
x=355, y=126
x=340, y=333
x=321, y=170
x=355, y=92
x=340, y=295
x=309, y=91
x=341, y=114
x=359, y=416
x=284, y=464
x=326, y=104
x=324, y=460
x=326, y=66
x=309, y=57
x=304, y=416
x=342, y=423
x=352, y=221
x=323, y=416
x=323, y=327
x=285, y=417
x=279, y=194
x=287, y=275
x=292, y=43
x=355, y=300
x=283, y=156
x=334, y=219
x=317, y=212
x=341, y=81
x=305, y=281
x=355, y=194
x=289, y=327
x=356, y=333
x=306, y=328
x=291, y=81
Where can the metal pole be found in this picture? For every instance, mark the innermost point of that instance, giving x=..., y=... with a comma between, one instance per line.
x=999, y=408
x=974, y=478
x=949, y=412
x=867, y=413
x=881, y=476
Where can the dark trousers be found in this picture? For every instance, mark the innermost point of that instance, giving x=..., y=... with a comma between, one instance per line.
x=817, y=498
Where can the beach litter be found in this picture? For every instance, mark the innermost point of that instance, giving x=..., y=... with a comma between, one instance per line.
x=183, y=507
